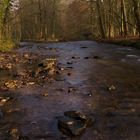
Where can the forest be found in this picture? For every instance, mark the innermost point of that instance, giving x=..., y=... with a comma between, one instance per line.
x=48, y=20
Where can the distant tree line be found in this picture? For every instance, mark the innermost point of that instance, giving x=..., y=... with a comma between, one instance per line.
x=63, y=20
x=103, y=18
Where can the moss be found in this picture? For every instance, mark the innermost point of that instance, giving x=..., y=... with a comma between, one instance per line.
x=6, y=45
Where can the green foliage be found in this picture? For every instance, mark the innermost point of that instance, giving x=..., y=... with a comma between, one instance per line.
x=3, y=6
x=6, y=45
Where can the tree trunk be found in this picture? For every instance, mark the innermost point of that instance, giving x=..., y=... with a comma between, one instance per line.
x=4, y=20
x=100, y=19
x=124, y=18
x=137, y=14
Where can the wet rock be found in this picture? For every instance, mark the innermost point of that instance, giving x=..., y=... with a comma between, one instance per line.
x=70, y=67
x=61, y=69
x=84, y=47
x=89, y=94
x=3, y=100
x=48, y=63
x=71, y=89
x=69, y=74
x=96, y=57
x=69, y=63
x=111, y=88
x=70, y=126
x=88, y=120
x=74, y=123
x=45, y=94
x=75, y=57
x=86, y=57
x=46, y=66
x=57, y=72
x=75, y=114
x=1, y=114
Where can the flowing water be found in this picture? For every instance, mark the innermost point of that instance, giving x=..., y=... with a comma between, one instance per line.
x=98, y=79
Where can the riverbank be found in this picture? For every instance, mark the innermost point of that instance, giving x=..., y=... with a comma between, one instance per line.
x=132, y=42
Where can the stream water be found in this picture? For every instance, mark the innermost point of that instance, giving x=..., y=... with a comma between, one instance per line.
x=98, y=79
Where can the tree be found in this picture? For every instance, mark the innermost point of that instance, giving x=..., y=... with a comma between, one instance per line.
x=137, y=14
x=4, y=10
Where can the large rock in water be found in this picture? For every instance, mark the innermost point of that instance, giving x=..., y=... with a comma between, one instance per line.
x=74, y=123
x=70, y=126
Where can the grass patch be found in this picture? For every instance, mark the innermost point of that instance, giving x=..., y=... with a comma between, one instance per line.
x=6, y=45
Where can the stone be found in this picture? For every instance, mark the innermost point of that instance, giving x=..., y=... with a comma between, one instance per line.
x=69, y=74
x=70, y=67
x=80, y=116
x=86, y=57
x=84, y=47
x=3, y=100
x=74, y=123
x=75, y=114
x=112, y=87
x=62, y=69
x=48, y=63
x=70, y=126
x=45, y=94
x=1, y=114
x=96, y=57
x=69, y=63
x=75, y=57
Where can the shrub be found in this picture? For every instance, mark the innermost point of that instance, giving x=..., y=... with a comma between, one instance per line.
x=6, y=45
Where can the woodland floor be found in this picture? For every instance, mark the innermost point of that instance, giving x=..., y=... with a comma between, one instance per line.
x=102, y=80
